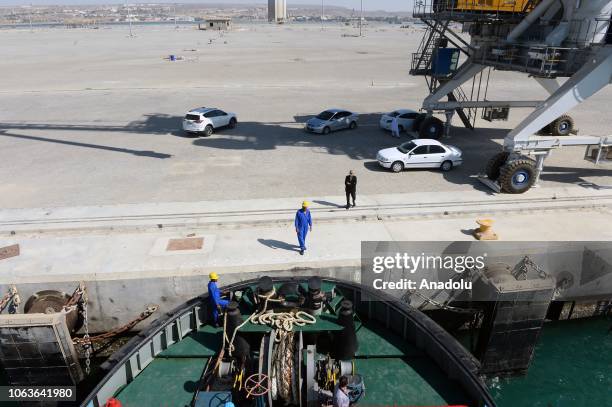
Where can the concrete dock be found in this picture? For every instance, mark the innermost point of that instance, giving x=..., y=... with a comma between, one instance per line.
x=122, y=252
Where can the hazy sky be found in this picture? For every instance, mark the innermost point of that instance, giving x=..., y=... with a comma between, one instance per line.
x=390, y=5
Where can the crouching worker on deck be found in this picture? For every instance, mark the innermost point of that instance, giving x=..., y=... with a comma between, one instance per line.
x=217, y=304
x=341, y=398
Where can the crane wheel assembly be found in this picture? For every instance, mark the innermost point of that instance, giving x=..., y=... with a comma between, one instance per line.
x=517, y=176
x=494, y=165
x=563, y=126
x=547, y=40
x=432, y=128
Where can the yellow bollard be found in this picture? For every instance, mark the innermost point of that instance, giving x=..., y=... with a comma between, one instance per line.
x=485, y=232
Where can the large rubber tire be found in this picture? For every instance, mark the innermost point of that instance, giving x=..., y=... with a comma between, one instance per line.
x=416, y=124
x=563, y=126
x=397, y=166
x=517, y=176
x=353, y=125
x=326, y=130
x=494, y=165
x=431, y=128
x=208, y=131
x=232, y=123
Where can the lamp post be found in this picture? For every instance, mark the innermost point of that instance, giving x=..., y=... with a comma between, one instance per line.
x=129, y=17
x=361, y=19
x=322, y=13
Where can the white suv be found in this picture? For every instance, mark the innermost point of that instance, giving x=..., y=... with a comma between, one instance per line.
x=207, y=119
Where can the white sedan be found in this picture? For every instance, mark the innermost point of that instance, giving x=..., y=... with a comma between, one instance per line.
x=420, y=153
x=205, y=120
x=405, y=119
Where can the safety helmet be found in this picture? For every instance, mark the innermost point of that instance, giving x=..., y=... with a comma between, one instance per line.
x=213, y=276
x=112, y=402
x=305, y=204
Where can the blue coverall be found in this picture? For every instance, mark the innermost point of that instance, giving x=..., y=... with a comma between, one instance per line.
x=303, y=221
x=214, y=295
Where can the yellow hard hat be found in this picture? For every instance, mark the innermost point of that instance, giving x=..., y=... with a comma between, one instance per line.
x=305, y=204
x=213, y=276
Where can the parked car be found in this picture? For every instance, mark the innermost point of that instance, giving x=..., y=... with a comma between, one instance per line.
x=332, y=120
x=420, y=153
x=406, y=119
x=205, y=120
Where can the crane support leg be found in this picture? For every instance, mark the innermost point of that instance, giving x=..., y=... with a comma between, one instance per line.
x=467, y=72
x=449, y=121
x=551, y=85
x=591, y=78
x=540, y=167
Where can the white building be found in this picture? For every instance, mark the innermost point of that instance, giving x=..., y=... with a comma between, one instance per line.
x=277, y=11
x=216, y=24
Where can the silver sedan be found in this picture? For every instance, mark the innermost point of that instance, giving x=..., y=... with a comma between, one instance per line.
x=332, y=120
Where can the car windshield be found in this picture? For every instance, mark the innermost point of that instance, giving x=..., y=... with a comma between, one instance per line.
x=393, y=114
x=326, y=115
x=194, y=117
x=406, y=147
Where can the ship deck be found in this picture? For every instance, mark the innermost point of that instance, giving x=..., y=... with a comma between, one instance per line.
x=395, y=372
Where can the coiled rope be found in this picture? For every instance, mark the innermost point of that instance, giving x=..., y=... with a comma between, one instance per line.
x=282, y=321
x=283, y=380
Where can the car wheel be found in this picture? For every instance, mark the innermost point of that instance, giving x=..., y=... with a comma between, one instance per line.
x=353, y=125
x=208, y=131
x=232, y=123
x=446, y=166
x=326, y=130
x=397, y=166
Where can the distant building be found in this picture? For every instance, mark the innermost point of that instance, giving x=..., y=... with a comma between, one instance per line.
x=216, y=24
x=277, y=11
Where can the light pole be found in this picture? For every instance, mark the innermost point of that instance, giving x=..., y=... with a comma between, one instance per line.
x=322, y=13
x=30, y=17
x=361, y=18
x=129, y=17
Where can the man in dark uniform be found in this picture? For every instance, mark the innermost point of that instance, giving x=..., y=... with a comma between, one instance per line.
x=350, y=186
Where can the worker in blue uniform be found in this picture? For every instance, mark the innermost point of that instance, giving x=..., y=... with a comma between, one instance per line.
x=217, y=303
x=303, y=224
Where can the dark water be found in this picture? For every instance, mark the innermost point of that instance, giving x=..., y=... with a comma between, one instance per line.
x=572, y=367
